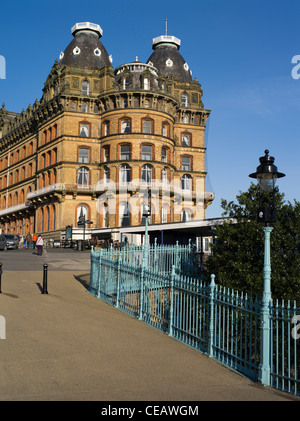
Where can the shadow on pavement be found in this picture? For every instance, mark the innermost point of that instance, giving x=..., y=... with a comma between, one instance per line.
x=83, y=279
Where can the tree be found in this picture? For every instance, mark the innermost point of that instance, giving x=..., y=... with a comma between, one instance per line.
x=238, y=252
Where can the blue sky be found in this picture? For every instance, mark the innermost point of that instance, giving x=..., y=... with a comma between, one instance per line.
x=240, y=51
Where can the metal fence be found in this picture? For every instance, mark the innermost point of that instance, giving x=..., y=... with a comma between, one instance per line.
x=225, y=325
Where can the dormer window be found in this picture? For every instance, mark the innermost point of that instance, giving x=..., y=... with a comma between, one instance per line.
x=126, y=83
x=184, y=100
x=85, y=87
x=76, y=51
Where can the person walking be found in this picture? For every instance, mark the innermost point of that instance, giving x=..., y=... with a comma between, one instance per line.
x=39, y=245
x=28, y=239
x=34, y=238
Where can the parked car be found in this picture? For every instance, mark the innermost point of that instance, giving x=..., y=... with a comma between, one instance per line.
x=12, y=241
x=3, y=243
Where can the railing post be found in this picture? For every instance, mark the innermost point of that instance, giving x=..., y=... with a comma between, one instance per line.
x=211, y=317
x=118, y=281
x=171, y=311
x=141, y=316
x=100, y=274
x=265, y=351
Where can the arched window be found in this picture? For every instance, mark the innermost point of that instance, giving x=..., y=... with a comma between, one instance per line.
x=83, y=176
x=186, y=119
x=147, y=126
x=84, y=130
x=82, y=210
x=105, y=214
x=125, y=174
x=164, y=176
x=185, y=216
x=186, y=182
x=106, y=128
x=165, y=129
x=124, y=215
x=125, y=126
x=146, y=175
x=185, y=140
x=72, y=106
x=85, y=108
x=85, y=87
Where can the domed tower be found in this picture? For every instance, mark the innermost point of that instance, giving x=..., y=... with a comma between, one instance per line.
x=189, y=122
x=69, y=129
x=167, y=59
x=86, y=50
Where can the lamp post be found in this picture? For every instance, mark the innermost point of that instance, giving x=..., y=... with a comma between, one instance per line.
x=146, y=214
x=266, y=175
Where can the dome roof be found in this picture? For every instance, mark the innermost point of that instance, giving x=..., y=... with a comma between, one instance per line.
x=167, y=59
x=85, y=50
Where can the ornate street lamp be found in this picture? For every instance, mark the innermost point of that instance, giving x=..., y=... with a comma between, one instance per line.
x=266, y=175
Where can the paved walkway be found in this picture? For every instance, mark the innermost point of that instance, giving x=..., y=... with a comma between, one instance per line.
x=70, y=346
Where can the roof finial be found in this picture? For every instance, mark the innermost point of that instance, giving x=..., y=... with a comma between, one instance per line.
x=166, y=25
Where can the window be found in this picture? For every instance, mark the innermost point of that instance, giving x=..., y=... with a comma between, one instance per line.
x=184, y=100
x=125, y=103
x=83, y=155
x=164, y=214
x=126, y=83
x=185, y=140
x=165, y=130
x=82, y=210
x=185, y=163
x=125, y=126
x=186, y=119
x=185, y=215
x=147, y=153
x=83, y=176
x=125, y=152
x=146, y=84
x=105, y=216
x=106, y=153
x=164, y=155
x=147, y=126
x=106, y=128
x=72, y=106
x=164, y=176
x=125, y=174
x=106, y=174
x=84, y=130
x=146, y=174
x=85, y=87
x=124, y=215
x=186, y=182
x=85, y=108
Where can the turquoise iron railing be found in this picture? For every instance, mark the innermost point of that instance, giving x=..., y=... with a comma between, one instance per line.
x=226, y=325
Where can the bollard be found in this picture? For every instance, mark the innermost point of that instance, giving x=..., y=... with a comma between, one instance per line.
x=0, y=277
x=45, y=275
